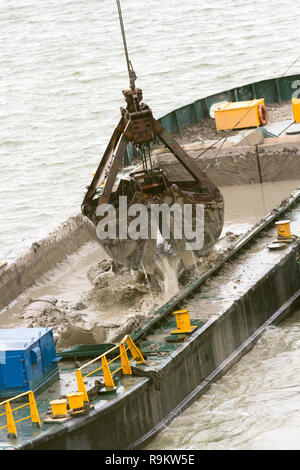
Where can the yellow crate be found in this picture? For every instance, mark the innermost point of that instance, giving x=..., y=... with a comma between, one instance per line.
x=296, y=109
x=238, y=115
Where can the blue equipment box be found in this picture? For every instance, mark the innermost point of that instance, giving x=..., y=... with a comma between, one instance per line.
x=27, y=360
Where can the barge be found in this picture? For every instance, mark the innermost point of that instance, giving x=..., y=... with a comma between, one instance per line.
x=230, y=306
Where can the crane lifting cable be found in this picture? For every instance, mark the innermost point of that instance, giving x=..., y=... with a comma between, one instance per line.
x=131, y=72
x=150, y=185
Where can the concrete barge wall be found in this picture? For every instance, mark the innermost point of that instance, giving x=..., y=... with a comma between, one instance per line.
x=42, y=257
x=276, y=159
x=130, y=421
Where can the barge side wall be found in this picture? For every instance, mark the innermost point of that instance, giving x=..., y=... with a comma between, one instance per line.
x=276, y=159
x=42, y=257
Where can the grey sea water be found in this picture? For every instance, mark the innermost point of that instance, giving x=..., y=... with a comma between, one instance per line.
x=63, y=69
x=255, y=406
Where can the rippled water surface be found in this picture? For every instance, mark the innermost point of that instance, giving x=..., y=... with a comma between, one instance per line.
x=254, y=406
x=63, y=70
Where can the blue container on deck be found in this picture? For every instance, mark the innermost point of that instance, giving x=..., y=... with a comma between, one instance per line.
x=27, y=360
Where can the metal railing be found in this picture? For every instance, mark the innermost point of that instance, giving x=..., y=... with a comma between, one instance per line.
x=11, y=423
x=105, y=364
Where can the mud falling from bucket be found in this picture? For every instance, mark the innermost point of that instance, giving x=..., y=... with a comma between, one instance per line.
x=169, y=269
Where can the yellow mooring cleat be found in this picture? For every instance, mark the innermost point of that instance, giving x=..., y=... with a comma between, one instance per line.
x=183, y=322
x=283, y=228
x=284, y=236
x=59, y=408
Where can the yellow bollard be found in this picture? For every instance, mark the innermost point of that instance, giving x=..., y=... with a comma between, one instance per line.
x=283, y=228
x=59, y=407
x=183, y=322
x=75, y=400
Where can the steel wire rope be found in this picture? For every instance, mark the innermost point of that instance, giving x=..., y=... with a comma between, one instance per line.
x=290, y=66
